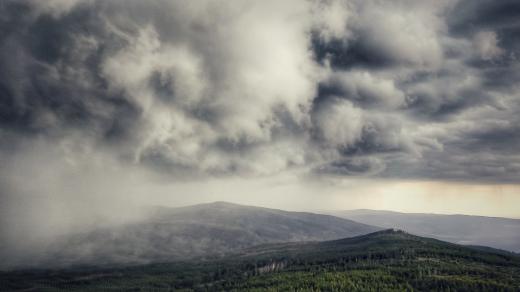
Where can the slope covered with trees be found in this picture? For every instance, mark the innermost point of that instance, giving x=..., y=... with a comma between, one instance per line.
x=382, y=261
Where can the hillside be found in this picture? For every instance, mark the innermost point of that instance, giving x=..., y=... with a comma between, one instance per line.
x=381, y=261
x=214, y=229
x=501, y=233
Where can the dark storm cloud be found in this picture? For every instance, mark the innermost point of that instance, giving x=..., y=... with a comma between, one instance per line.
x=357, y=166
x=402, y=89
x=50, y=75
x=469, y=16
x=472, y=81
x=352, y=55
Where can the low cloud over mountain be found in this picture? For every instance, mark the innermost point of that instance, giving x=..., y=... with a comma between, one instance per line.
x=173, y=234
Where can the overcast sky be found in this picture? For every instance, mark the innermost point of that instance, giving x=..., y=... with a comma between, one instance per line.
x=303, y=105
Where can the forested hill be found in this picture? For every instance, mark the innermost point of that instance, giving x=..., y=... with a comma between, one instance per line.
x=381, y=261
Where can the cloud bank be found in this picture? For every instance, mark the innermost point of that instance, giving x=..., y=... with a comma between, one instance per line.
x=388, y=89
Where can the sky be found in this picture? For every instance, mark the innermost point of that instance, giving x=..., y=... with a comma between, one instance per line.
x=107, y=106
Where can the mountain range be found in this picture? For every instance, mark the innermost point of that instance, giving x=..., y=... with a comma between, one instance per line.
x=228, y=247
x=501, y=233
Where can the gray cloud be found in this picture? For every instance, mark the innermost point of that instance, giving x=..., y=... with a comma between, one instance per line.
x=209, y=89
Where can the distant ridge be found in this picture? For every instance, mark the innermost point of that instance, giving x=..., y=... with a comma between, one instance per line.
x=495, y=232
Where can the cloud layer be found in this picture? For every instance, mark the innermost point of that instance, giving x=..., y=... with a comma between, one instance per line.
x=401, y=89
